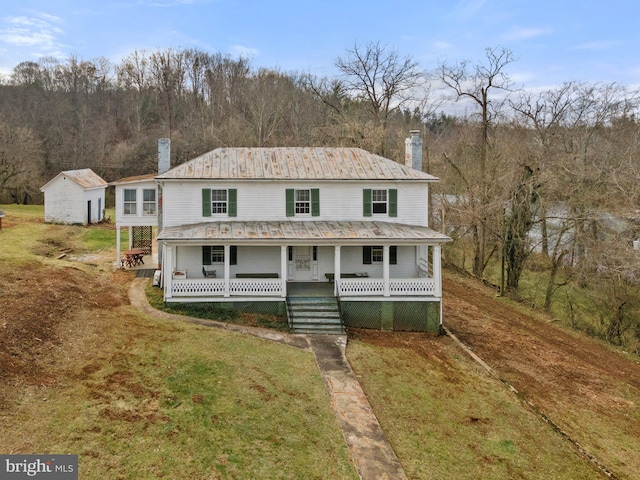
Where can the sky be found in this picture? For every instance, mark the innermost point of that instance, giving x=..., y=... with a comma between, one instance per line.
x=554, y=41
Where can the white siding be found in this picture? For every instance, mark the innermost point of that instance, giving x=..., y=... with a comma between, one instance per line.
x=251, y=259
x=66, y=202
x=97, y=202
x=265, y=201
x=139, y=219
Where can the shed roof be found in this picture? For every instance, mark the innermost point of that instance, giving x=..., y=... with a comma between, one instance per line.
x=247, y=232
x=85, y=177
x=294, y=163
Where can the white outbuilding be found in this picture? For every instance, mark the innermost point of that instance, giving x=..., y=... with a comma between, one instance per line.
x=75, y=197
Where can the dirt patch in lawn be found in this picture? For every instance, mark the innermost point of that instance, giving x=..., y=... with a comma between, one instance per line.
x=37, y=305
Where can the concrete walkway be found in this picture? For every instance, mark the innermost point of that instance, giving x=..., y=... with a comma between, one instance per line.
x=370, y=452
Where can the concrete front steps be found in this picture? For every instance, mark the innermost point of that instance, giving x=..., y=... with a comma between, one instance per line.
x=315, y=315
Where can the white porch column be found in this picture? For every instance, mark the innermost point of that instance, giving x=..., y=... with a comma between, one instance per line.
x=284, y=259
x=118, y=264
x=130, y=238
x=385, y=270
x=227, y=268
x=167, y=270
x=437, y=270
x=336, y=270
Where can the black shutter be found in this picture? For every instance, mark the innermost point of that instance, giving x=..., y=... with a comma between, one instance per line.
x=233, y=255
x=393, y=255
x=206, y=255
x=366, y=255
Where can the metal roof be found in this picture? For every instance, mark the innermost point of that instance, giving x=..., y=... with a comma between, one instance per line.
x=135, y=179
x=85, y=177
x=294, y=163
x=246, y=232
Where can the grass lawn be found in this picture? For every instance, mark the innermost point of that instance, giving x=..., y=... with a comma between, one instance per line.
x=447, y=418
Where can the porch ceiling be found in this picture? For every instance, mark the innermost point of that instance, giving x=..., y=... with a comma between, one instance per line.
x=299, y=231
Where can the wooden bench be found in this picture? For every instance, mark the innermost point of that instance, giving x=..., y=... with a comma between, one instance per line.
x=331, y=276
x=257, y=275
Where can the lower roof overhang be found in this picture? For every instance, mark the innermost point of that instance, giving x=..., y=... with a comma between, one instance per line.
x=301, y=233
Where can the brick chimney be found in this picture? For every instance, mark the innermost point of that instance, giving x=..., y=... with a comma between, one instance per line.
x=413, y=151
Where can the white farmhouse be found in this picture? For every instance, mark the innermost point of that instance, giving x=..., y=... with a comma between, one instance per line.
x=323, y=234
x=74, y=197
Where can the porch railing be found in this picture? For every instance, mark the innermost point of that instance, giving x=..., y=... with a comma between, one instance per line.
x=397, y=286
x=199, y=287
x=271, y=287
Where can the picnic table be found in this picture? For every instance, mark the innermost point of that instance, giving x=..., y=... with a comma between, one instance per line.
x=133, y=257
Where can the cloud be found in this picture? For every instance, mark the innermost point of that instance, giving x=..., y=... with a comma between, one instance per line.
x=244, y=51
x=523, y=33
x=41, y=32
x=466, y=9
x=596, y=45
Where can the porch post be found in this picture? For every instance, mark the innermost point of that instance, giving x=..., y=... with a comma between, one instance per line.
x=284, y=258
x=130, y=238
x=385, y=270
x=118, y=264
x=336, y=270
x=227, y=267
x=167, y=274
x=437, y=270
x=437, y=275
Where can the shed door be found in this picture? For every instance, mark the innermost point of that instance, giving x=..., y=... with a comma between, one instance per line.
x=89, y=212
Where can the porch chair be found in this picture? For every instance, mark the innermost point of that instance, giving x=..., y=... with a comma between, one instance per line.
x=208, y=271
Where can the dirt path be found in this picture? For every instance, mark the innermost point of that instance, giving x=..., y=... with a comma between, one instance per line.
x=591, y=392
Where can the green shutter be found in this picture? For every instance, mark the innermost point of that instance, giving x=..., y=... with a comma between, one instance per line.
x=290, y=202
x=393, y=255
x=393, y=202
x=206, y=202
x=233, y=255
x=206, y=255
x=233, y=202
x=315, y=202
x=366, y=202
x=366, y=255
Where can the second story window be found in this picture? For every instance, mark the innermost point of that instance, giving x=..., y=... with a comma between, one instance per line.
x=303, y=201
x=149, y=206
x=219, y=202
x=130, y=202
x=379, y=201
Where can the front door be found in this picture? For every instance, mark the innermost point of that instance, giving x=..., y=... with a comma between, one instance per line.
x=302, y=264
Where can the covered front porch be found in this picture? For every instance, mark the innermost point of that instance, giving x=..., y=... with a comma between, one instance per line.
x=265, y=273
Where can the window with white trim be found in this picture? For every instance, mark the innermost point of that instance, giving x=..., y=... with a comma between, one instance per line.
x=217, y=254
x=129, y=203
x=379, y=201
x=377, y=254
x=219, y=201
x=303, y=202
x=149, y=205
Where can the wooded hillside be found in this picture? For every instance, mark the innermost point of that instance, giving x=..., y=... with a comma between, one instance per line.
x=539, y=190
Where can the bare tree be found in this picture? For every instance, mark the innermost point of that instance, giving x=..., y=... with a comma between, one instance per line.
x=378, y=81
x=477, y=83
